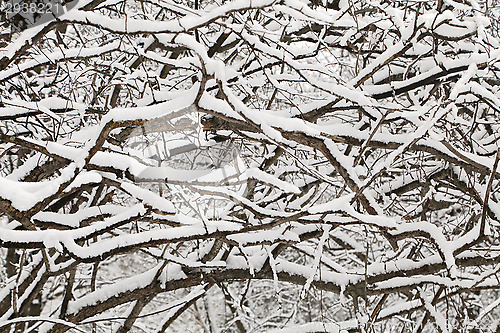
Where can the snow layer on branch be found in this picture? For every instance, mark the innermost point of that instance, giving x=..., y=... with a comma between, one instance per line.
x=149, y=198
x=24, y=195
x=53, y=238
x=338, y=279
x=342, y=204
x=179, y=104
x=102, y=294
x=104, y=247
x=23, y=170
x=73, y=220
x=55, y=57
x=266, y=236
x=340, y=327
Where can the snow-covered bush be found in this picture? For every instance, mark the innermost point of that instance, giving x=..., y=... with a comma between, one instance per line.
x=250, y=166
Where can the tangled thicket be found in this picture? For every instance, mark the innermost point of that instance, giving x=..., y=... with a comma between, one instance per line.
x=251, y=165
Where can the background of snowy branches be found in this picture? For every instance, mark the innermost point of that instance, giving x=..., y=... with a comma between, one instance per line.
x=251, y=166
